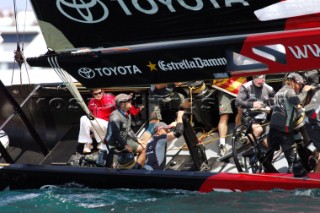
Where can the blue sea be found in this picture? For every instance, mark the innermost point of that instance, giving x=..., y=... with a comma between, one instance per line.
x=79, y=199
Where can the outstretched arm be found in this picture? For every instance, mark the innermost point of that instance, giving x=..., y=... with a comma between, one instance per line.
x=178, y=131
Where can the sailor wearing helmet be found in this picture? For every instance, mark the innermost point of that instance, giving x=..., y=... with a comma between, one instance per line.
x=286, y=114
x=312, y=108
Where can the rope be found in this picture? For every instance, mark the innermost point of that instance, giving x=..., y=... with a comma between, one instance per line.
x=191, y=103
x=18, y=54
x=67, y=79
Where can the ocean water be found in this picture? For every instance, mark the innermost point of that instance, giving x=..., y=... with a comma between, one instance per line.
x=78, y=199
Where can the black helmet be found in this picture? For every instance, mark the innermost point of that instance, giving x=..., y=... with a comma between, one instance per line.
x=296, y=78
x=312, y=77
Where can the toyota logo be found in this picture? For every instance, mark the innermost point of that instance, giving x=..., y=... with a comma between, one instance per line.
x=80, y=11
x=86, y=72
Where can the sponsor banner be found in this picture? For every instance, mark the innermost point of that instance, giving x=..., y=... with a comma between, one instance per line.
x=88, y=73
x=191, y=60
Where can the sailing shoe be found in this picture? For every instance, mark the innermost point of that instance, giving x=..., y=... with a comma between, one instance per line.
x=87, y=148
x=222, y=150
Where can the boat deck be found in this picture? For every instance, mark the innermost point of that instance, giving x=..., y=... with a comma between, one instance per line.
x=178, y=155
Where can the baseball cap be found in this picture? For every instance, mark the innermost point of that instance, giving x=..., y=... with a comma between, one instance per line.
x=296, y=77
x=161, y=125
x=122, y=98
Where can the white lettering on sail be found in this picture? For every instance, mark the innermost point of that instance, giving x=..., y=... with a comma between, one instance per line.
x=82, y=11
x=168, y=3
x=154, y=7
x=230, y=2
x=89, y=73
x=124, y=7
x=198, y=6
x=195, y=63
x=304, y=52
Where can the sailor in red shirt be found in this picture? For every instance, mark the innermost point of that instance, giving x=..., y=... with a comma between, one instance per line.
x=101, y=106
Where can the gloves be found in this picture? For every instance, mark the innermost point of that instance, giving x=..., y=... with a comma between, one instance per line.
x=90, y=116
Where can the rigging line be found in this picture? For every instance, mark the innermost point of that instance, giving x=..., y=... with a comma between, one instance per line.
x=23, y=42
x=15, y=17
x=17, y=34
x=71, y=87
x=24, y=26
x=12, y=75
x=18, y=54
x=191, y=105
x=27, y=73
x=67, y=79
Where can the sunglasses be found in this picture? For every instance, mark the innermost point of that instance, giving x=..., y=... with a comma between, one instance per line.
x=126, y=101
x=97, y=93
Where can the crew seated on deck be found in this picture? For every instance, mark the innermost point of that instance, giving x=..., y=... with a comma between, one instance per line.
x=157, y=145
x=120, y=136
x=101, y=106
x=255, y=94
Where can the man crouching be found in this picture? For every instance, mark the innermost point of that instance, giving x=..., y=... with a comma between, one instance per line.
x=156, y=151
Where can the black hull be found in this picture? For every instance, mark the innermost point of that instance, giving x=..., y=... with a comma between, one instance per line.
x=24, y=176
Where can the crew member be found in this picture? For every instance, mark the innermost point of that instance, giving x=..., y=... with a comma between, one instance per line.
x=157, y=147
x=312, y=108
x=286, y=114
x=120, y=136
x=163, y=97
x=101, y=106
x=255, y=94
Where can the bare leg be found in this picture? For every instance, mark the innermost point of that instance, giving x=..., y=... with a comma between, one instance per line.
x=142, y=155
x=257, y=131
x=223, y=127
x=147, y=134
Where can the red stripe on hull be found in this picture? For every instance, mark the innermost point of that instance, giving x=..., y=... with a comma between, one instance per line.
x=247, y=182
